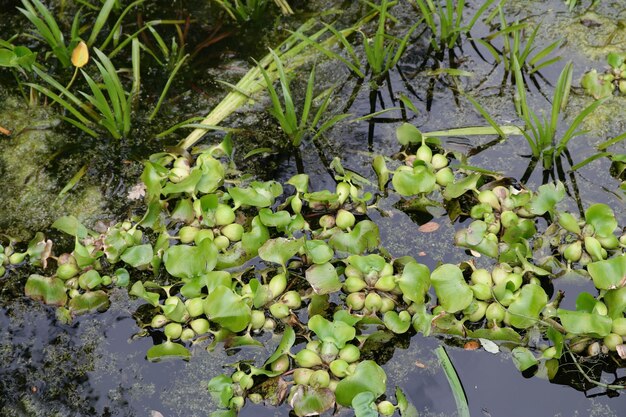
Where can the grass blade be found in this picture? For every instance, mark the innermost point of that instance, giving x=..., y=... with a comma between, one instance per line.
x=487, y=117
x=179, y=64
x=611, y=142
x=455, y=383
x=103, y=16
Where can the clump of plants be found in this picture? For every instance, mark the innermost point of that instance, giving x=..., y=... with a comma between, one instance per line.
x=613, y=79
x=323, y=280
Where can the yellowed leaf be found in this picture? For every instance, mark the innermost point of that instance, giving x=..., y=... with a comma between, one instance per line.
x=80, y=55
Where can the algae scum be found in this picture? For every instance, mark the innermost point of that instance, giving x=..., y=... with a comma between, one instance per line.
x=291, y=265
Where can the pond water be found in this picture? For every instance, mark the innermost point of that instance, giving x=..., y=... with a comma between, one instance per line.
x=96, y=365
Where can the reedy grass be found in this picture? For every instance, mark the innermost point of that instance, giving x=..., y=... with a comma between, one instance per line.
x=111, y=111
x=541, y=132
x=529, y=58
x=294, y=52
x=446, y=22
x=250, y=10
x=285, y=111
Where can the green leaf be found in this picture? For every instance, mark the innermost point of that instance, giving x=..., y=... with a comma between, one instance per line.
x=286, y=342
x=363, y=237
x=382, y=172
x=137, y=256
x=251, y=197
x=523, y=358
x=308, y=401
x=280, y=219
x=280, y=250
x=580, y=322
x=602, y=218
x=596, y=85
x=221, y=389
x=337, y=332
x=71, y=226
x=415, y=282
x=183, y=261
x=609, y=273
x=397, y=323
x=406, y=408
x=460, y=187
x=167, y=350
x=318, y=251
x=452, y=291
x=615, y=301
x=89, y=301
x=367, y=377
x=122, y=277
x=364, y=406
x=524, y=310
x=546, y=198
x=367, y=264
x=455, y=383
x=323, y=278
x=409, y=182
x=49, y=290
x=138, y=290
x=407, y=133
x=227, y=309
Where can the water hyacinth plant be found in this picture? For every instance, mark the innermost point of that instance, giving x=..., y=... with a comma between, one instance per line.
x=211, y=226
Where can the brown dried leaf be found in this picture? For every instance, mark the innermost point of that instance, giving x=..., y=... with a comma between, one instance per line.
x=428, y=227
x=471, y=345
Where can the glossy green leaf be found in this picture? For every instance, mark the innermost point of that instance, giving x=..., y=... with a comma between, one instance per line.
x=167, y=350
x=523, y=358
x=615, y=301
x=602, y=218
x=498, y=333
x=227, y=309
x=138, y=290
x=323, y=278
x=280, y=250
x=414, y=282
x=280, y=219
x=524, y=310
x=404, y=406
x=363, y=237
x=452, y=291
x=455, y=384
x=221, y=389
x=408, y=182
x=122, y=277
x=579, y=322
x=183, y=261
x=89, y=301
x=397, y=323
x=318, y=251
x=407, y=133
x=137, y=256
x=47, y=289
x=71, y=226
x=609, y=273
x=367, y=263
x=382, y=172
x=286, y=342
x=363, y=405
x=337, y=332
x=546, y=198
x=460, y=187
x=367, y=377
